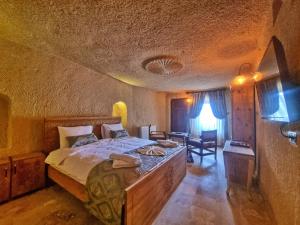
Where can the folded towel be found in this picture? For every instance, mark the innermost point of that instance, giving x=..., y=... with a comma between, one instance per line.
x=121, y=164
x=152, y=150
x=167, y=143
x=124, y=160
x=124, y=157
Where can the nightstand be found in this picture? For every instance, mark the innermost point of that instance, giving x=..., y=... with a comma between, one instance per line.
x=28, y=173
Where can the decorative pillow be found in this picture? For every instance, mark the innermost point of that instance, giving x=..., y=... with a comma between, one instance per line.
x=106, y=128
x=72, y=131
x=76, y=141
x=119, y=133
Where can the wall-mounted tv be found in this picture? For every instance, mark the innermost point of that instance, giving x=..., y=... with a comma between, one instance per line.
x=278, y=95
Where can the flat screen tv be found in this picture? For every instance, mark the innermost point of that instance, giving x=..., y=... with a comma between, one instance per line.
x=278, y=95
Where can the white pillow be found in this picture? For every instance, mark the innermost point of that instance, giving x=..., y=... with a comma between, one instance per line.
x=106, y=128
x=72, y=131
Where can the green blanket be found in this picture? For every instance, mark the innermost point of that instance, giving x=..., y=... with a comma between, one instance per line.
x=106, y=186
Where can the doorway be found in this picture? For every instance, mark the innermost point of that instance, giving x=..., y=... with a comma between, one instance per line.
x=179, y=115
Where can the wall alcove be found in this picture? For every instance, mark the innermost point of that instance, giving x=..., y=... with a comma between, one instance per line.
x=4, y=120
x=120, y=109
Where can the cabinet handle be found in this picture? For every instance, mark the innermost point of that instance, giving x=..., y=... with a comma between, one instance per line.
x=15, y=169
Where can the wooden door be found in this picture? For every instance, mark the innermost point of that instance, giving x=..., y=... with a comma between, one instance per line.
x=179, y=115
x=5, y=169
x=243, y=114
x=28, y=174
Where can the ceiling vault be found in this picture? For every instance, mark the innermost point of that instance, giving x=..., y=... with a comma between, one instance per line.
x=208, y=39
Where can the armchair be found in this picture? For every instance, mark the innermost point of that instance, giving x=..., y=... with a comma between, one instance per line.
x=157, y=135
x=205, y=145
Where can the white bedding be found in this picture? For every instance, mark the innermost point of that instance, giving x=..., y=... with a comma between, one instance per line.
x=77, y=162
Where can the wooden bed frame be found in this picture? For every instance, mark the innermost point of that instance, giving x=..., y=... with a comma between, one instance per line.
x=145, y=198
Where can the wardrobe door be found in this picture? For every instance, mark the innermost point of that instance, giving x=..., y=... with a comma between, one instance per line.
x=179, y=115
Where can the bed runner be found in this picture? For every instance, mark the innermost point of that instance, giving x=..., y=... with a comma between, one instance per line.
x=106, y=186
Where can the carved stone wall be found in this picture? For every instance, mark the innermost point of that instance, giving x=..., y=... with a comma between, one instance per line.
x=4, y=121
x=40, y=85
x=280, y=161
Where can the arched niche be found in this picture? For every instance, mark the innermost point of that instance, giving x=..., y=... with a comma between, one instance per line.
x=120, y=109
x=4, y=120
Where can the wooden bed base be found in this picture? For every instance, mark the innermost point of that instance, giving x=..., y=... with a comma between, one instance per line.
x=69, y=184
x=145, y=198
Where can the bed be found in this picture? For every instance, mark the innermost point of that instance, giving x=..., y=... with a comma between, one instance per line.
x=145, y=198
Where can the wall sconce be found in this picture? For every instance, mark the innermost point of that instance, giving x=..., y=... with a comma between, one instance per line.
x=257, y=76
x=239, y=80
x=189, y=100
x=246, y=75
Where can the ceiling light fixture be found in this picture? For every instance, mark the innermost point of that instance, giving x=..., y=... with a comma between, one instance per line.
x=164, y=65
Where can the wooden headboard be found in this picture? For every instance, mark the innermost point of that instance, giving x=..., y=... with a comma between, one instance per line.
x=51, y=136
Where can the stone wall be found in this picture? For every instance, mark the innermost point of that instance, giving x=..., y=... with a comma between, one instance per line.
x=40, y=85
x=4, y=120
x=279, y=161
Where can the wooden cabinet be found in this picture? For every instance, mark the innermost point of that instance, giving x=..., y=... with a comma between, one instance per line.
x=28, y=173
x=239, y=165
x=5, y=170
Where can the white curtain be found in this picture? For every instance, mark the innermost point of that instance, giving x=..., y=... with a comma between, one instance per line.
x=207, y=121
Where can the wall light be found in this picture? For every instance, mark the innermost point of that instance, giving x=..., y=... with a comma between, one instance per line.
x=244, y=75
x=257, y=76
x=189, y=100
x=240, y=80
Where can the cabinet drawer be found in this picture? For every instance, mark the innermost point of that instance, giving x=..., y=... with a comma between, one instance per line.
x=5, y=173
x=28, y=174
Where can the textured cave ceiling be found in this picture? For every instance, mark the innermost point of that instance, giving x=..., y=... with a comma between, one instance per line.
x=210, y=38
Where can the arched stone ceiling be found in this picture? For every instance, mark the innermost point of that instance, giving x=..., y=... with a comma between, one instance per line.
x=210, y=38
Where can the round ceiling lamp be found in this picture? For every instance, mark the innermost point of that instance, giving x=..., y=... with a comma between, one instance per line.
x=164, y=65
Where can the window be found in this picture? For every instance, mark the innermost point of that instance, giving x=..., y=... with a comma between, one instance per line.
x=207, y=121
x=206, y=118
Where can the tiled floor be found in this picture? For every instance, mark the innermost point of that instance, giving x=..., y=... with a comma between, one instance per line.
x=199, y=199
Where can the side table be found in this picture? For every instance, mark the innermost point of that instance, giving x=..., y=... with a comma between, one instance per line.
x=239, y=166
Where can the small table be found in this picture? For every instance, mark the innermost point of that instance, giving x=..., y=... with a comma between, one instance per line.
x=180, y=135
x=239, y=165
x=184, y=137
